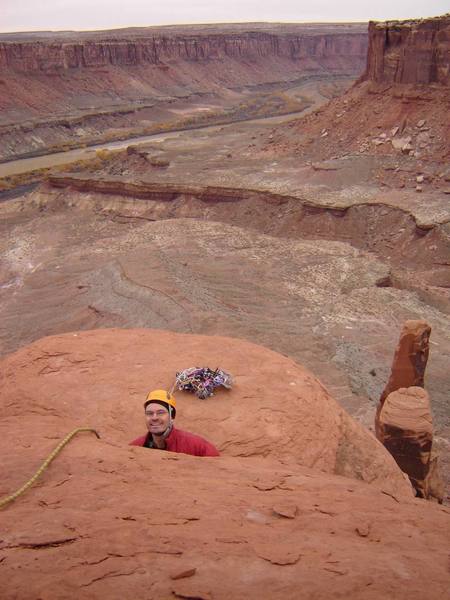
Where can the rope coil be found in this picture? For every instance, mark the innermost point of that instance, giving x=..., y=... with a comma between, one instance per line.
x=7, y=499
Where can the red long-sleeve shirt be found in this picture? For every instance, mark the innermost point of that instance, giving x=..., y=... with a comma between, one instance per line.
x=182, y=441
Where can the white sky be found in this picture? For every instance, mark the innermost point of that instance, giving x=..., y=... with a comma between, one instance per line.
x=30, y=15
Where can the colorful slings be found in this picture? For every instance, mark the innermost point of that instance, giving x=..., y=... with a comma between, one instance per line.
x=202, y=380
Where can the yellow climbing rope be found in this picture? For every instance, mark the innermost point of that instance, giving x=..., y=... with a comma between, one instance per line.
x=7, y=499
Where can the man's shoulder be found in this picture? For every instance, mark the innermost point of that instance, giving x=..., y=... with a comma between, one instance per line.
x=140, y=441
x=183, y=433
x=194, y=441
x=187, y=435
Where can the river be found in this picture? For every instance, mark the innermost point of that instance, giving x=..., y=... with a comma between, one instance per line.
x=25, y=165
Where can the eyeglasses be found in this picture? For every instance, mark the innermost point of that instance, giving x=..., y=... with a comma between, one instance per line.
x=159, y=413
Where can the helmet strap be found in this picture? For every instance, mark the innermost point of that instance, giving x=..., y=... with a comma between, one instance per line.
x=164, y=434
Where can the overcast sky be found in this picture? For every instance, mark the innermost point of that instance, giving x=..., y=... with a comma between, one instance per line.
x=30, y=15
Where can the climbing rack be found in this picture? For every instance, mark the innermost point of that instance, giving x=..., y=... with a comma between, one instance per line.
x=202, y=381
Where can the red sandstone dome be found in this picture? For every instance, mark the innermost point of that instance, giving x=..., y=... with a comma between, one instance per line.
x=277, y=408
x=267, y=519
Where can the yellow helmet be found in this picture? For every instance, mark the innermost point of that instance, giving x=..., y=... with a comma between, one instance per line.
x=162, y=397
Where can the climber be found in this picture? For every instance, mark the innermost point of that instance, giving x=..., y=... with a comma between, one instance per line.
x=160, y=410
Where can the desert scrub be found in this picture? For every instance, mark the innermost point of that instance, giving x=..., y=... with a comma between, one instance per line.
x=9, y=182
x=12, y=181
x=104, y=154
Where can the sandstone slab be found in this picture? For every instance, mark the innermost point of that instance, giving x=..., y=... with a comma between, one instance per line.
x=114, y=521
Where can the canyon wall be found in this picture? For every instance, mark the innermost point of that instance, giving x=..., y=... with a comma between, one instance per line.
x=410, y=52
x=62, y=76
x=41, y=56
x=90, y=87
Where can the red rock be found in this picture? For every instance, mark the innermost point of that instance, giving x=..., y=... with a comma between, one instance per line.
x=156, y=47
x=277, y=554
x=406, y=429
x=405, y=425
x=410, y=359
x=289, y=511
x=415, y=51
x=191, y=592
x=75, y=379
x=124, y=72
x=112, y=520
x=408, y=68
x=363, y=530
x=435, y=484
x=183, y=574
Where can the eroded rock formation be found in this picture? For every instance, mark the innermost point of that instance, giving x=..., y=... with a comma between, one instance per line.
x=406, y=429
x=415, y=52
x=410, y=358
x=118, y=69
x=408, y=365
x=403, y=421
x=60, y=90
x=156, y=48
x=399, y=107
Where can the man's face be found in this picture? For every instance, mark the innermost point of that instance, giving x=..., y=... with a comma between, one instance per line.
x=157, y=417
